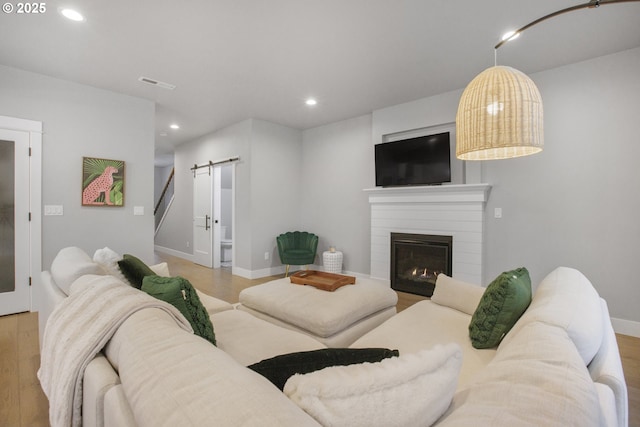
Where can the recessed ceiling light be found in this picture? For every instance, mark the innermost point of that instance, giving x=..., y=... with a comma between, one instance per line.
x=174, y=126
x=510, y=35
x=74, y=15
x=311, y=102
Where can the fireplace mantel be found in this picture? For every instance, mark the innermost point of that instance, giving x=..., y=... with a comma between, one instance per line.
x=447, y=210
x=462, y=193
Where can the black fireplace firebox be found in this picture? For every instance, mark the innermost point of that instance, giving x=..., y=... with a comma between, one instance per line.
x=416, y=261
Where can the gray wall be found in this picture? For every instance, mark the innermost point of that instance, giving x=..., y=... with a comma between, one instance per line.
x=83, y=121
x=177, y=230
x=267, y=191
x=276, y=168
x=161, y=174
x=338, y=165
x=575, y=204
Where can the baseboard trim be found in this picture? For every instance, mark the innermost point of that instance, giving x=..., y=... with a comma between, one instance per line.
x=258, y=274
x=173, y=252
x=626, y=327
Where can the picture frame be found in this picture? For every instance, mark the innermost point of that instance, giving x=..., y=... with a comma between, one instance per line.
x=102, y=182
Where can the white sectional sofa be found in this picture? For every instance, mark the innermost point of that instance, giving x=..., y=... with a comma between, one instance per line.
x=559, y=365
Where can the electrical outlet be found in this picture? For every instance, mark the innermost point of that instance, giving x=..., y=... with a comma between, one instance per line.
x=266, y=256
x=187, y=243
x=497, y=213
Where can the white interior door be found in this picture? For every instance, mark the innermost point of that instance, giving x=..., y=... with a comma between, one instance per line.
x=14, y=222
x=202, y=221
x=216, y=194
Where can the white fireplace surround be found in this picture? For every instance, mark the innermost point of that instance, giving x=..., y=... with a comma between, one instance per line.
x=446, y=210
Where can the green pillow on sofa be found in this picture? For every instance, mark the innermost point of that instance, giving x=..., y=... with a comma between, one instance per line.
x=500, y=307
x=278, y=369
x=134, y=270
x=178, y=292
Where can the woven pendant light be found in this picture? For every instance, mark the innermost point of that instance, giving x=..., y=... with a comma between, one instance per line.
x=499, y=116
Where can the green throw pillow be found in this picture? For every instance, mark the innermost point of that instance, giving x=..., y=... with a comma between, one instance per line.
x=500, y=307
x=278, y=369
x=178, y=292
x=134, y=270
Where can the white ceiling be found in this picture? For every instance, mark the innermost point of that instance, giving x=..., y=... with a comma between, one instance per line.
x=236, y=59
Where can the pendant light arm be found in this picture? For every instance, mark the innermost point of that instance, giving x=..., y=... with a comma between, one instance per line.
x=589, y=5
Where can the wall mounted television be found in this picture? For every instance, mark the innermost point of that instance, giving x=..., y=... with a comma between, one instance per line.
x=424, y=160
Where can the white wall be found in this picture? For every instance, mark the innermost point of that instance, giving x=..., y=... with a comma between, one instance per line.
x=575, y=204
x=337, y=166
x=83, y=121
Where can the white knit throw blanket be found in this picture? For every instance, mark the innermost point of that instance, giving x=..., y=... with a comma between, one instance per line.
x=79, y=327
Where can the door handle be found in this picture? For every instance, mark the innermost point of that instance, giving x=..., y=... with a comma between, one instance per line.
x=206, y=222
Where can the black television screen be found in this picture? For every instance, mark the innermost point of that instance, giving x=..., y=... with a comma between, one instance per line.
x=424, y=160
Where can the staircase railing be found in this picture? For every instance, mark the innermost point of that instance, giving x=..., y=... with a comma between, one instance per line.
x=162, y=206
x=164, y=191
x=164, y=214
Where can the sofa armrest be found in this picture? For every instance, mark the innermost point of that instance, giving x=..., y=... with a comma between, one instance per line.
x=607, y=401
x=99, y=378
x=606, y=367
x=50, y=296
x=117, y=412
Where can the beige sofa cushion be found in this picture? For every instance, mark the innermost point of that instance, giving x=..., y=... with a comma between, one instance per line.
x=567, y=299
x=457, y=294
x=425, y=325
x=70, y=264
x=539, y=379
x=249, y=340
x=173, y=378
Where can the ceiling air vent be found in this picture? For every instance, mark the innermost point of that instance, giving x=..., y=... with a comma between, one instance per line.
x=156, y=83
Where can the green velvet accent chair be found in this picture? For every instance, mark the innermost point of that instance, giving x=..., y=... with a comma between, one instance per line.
x=297, y=248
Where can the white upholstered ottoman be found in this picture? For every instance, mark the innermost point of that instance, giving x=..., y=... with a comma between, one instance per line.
x=336, y=318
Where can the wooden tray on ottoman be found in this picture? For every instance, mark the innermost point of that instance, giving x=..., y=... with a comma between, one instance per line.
x=321, y=279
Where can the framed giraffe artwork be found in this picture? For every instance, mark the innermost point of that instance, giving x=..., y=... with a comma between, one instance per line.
x=102, y=182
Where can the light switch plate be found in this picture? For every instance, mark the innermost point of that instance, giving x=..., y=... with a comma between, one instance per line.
x=138, y=210
x=50, y=210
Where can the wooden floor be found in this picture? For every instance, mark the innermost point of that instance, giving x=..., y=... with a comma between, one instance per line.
x=22, y=403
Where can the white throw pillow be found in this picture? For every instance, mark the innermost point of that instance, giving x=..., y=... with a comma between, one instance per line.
x=161, y=269
x=410, y=390
x=108, y=259
x=457, y=294
x=71, y=263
